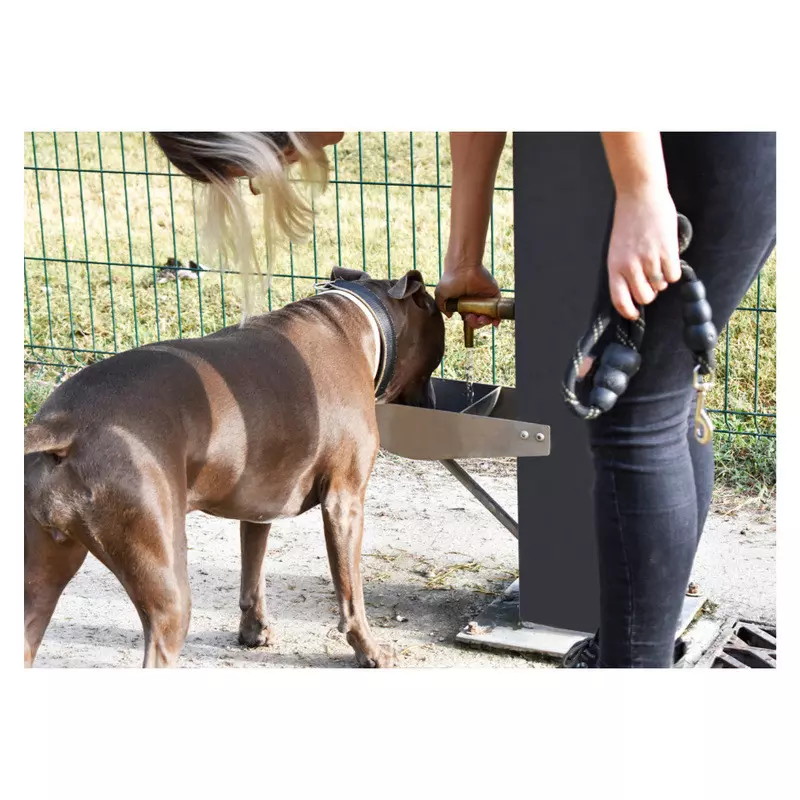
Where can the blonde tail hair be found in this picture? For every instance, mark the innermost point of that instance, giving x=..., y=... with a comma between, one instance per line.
x=287, y=210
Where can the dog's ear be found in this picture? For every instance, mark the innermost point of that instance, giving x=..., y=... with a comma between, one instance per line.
x=409, y=284
x=345, y=274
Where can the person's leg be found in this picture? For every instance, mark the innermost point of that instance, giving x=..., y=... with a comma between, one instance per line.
x=700, y=167
x=653, y=487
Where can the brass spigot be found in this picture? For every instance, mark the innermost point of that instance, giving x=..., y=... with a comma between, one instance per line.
x=495, y=307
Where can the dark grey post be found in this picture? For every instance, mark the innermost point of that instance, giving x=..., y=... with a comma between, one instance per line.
x=563, y=198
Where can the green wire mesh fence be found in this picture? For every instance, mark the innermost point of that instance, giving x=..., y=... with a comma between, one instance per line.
x=104, y=213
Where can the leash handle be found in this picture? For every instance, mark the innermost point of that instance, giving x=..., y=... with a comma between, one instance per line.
x=620, y=360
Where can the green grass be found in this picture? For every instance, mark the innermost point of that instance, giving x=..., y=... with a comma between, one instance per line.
x=35, y=392
x=745, y=462
x=93, y=243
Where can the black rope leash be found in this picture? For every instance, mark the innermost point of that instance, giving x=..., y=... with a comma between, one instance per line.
x=620, y=360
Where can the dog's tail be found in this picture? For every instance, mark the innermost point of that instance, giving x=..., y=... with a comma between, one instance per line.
x=54, y=437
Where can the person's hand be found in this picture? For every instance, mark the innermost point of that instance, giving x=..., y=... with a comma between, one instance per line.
x=643, y=253
x=472, y=281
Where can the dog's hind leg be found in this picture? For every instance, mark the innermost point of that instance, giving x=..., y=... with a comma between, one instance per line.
x=253, y=628
x=149, y=558
x=343, y=517
x=161, y=596
x=51, y=560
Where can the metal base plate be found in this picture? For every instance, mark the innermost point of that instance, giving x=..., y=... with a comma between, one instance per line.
x=499, y=626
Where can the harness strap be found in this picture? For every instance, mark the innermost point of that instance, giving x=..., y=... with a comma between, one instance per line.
x=386, y=329
x=375, y=332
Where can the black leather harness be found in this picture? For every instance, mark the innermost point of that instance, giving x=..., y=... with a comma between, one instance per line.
x=383, y=318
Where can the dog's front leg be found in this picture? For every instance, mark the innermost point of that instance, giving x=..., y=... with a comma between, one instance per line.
x=343, y=517
x=253, y=628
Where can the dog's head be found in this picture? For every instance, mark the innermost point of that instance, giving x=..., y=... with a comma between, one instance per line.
x=419, y=331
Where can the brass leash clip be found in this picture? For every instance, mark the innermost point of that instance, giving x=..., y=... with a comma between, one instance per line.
x=703, y=427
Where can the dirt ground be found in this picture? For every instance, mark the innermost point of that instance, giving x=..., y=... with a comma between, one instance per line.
x=433, y=558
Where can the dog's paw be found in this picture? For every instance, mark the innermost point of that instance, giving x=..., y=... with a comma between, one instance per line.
x=382, y=656
x=255, y=634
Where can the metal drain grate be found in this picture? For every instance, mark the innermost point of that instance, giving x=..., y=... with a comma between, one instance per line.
x=747, y=645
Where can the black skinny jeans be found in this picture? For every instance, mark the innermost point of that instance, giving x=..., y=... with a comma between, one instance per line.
x=653, y=480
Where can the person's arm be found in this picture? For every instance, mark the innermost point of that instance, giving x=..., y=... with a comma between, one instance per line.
x=475, y=158
x=643, y=251
x=635, y=160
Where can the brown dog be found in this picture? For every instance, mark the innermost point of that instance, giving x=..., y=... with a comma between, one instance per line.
x=255, y=422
